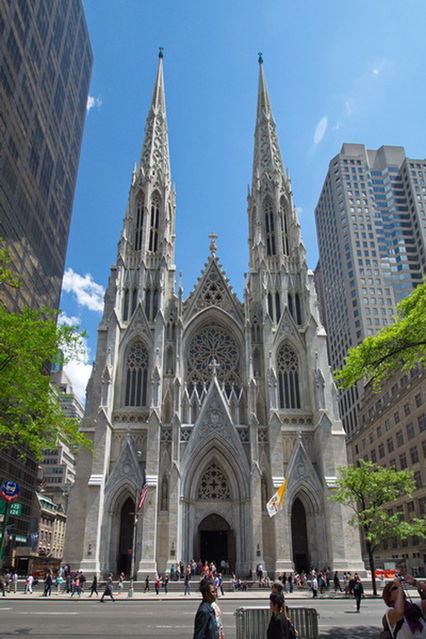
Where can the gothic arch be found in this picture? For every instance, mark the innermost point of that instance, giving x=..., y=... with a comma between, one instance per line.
x=289, y=373
x=135, y=374
x=212, y=336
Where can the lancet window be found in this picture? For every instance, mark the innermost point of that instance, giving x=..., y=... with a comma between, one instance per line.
x=151, y=302
x=140, y=202
x=213, y=349
x=130, y=299
x=214, y=484
x=154, y=223
x=274, y=306
x=295, y=308
x=269, y=226
x=136, y=375
x=285, y=224
x=288, y=377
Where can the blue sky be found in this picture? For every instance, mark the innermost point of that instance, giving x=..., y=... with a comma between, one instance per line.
x=336, y=72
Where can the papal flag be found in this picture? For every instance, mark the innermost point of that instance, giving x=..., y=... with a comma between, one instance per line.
x=277, y=500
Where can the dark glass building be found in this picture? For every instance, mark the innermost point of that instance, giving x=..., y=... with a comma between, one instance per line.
x=45, y=67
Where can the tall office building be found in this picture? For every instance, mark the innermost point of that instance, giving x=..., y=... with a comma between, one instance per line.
x=46, y=62
x=371, y=225
x=45, y=67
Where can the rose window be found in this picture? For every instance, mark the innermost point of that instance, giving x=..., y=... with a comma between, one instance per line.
x=214, y=485
x=213, y=349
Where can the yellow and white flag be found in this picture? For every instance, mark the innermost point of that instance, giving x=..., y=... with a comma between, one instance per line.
x=277, y=500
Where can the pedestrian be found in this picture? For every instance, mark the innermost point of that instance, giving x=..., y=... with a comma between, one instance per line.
x=208, y=619
x=76, y=589
x=47, y=585
x=187, y=583
x=59, y=580
x=108, y=589
x=358, y=591
x=166, y=583
x=68, y=583
x=15, y=581
x=290, y=582
x=121, y=578
x=3, y=584
x=94, y=586
x=314, y=586
x=337, y=582
x=146, y=584
x=407, y=618
x=29, y=584
x=279, y=626
x=157, y=585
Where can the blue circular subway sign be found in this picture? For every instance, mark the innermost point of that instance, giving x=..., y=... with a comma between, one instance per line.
x=10, y=489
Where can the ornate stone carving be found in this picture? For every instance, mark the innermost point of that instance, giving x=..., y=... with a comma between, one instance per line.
x=213, y=343
x=214, y=484
x=244, y=435
x=166, y=435
x=262, y=436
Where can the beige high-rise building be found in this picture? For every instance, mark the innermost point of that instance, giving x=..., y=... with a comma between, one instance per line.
x=371, y=226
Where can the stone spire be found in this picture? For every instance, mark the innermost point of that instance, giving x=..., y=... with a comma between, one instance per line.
x=155, y=160
x=267, y=155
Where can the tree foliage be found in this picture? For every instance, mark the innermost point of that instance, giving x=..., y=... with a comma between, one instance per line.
x=397, y=347
x=31, y=417
x=368, y=490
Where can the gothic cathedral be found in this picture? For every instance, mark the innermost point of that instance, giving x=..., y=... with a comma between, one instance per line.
x=210, y=400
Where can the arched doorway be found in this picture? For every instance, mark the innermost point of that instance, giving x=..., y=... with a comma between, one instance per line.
x=125, y=543
x=299, y=536
x=216, y=541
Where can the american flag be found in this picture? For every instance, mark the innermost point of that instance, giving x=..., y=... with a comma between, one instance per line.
x=142, y=497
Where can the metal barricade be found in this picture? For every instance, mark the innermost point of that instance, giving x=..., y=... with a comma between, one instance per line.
x=252, y=623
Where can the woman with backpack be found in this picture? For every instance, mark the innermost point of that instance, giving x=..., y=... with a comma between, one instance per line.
x=403, y=618
x=280, y=626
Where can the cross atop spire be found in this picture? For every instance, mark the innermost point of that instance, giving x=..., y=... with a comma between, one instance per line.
x=155, y=150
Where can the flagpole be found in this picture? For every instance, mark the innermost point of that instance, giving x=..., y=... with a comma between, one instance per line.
x=132, y=562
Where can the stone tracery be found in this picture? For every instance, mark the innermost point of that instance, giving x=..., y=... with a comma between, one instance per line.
x=213, y=347
x=214, y=484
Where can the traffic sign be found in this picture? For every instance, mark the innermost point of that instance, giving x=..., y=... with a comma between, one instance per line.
x=15, y=509
x=10, y=489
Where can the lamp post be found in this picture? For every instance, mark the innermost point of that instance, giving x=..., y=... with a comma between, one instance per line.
x=132, y=561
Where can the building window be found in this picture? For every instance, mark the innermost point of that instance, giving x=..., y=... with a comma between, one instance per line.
x=285, y=223
x=129, y=302
x=407, y=409
x=403, y=461
x=414, y=455
x=418, y=399
x=151, y=303
x=410, y=431
x=269, y=226
x=214, y=484
x=399, y=438
x=139, y=221
x=155, y=222
x=288, y=377
x=136, y=375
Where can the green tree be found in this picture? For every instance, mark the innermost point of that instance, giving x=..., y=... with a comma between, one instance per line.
x=31, y=417
x=368, y=489
x=397, y=347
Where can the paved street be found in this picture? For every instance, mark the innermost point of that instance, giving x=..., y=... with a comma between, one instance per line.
x=154, y=618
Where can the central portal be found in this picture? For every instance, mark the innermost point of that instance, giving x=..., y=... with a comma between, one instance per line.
x=216, y=541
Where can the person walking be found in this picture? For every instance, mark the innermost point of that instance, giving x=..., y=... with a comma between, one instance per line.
x=358, y=591
x=336, y=582
x=15, y=581
x=407, y=618
x=108, y=589
x=121, y=578
x=29, y=584
x=279, y=626
x=47, y=585
x=146, y=584
x=187, y=583
x=94, y=586
x=208, y=619
x=314, y=586
x=166, y=583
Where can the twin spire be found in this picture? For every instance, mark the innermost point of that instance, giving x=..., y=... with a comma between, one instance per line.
x=155, y=158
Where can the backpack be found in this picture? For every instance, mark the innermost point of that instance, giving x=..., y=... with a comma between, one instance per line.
x=291, y=632
x=386, y=633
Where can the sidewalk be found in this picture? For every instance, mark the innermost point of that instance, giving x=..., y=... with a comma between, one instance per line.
x=259, y=595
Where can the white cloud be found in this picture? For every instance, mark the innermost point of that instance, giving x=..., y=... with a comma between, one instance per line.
x=349, y=106
x=299, y=211
x=320, y=130
x=69, y=321
x=87, y=292
x=79, y=371
x=376, y=71
x=93, y=102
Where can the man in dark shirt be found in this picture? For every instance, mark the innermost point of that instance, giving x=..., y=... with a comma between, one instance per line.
x=208, y=624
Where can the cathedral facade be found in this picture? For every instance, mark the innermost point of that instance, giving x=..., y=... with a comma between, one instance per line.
x=210, y=400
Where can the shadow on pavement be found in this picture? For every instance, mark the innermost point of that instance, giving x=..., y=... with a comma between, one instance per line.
x=356, y=632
